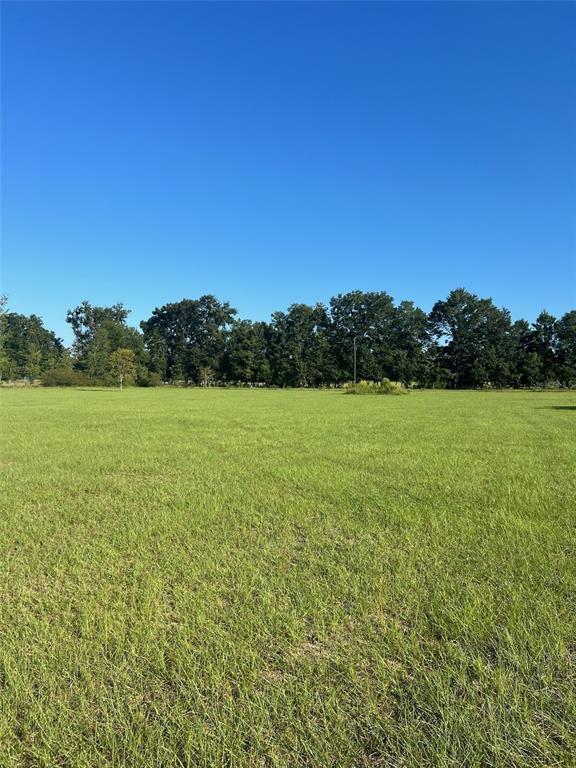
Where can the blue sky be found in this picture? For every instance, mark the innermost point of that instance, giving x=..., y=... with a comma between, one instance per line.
x=272, y=153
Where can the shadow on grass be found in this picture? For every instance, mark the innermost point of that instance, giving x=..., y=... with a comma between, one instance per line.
x=558, y=407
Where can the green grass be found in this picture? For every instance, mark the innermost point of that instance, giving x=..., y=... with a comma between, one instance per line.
x=259, y=579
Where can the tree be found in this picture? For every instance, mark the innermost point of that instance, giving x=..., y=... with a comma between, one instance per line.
x=122, y=365
x=300, y=350
x=85, y=320
x=193, y=335
x=245, y=359
x=411, y=359
x=262, y=371
x=98, y=332
x=473, y=338
x=544, y=345
x=526, y=364
x=4, y=361
x=206, y=376
x=465, y=341
x=566, y=348
x=365, y=320
x=27, y=348
x=156, y=349
x=98, y=351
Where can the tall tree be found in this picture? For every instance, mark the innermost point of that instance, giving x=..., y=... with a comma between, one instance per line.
x=193, y=332
x=300, y=350
x=544, y=345
x=156, y=349
x=566, y=348
x=85, y=320
x=526, y=365
x=262, y=371
x=474, y=338
x=4, y=361
x=412, y=346
x=99, y=331
x=465, y=341
x=29, y=349
x=97, y=357
x=245, y=359
x=365, y=320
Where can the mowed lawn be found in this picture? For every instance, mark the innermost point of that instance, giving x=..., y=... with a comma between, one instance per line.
x=269, y=579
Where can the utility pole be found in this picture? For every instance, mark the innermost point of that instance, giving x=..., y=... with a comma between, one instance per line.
x=354, y=358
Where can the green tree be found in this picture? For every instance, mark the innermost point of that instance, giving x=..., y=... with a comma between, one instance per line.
x=262, y=371
x=526, y=364
x=4, y=360
x=474, y=339
x=98, y=332
x=97, y=363
x=411, y=359
x=33, y=361
x=28, y=349
x=566, y=348
x=245, y=359
x=86, y=319
x=544, y=345
x=366, y=320
x=193, y=335
x=122, y=366
x=206, y=376
x=156, y=350
x=300, y=349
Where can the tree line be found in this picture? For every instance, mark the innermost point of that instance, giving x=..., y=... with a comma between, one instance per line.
x=465, y=341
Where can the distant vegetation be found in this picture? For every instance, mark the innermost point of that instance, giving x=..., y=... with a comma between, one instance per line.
x=465, y=341
x=384, y=387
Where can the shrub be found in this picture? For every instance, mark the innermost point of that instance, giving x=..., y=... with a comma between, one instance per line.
x=63, y=377
x=384, y=387
x=146, y=378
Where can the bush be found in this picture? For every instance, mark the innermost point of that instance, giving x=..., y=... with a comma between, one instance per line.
x=146, y=378
x=63, y=377
x=384, y=387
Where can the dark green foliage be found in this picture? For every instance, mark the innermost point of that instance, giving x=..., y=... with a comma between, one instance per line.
x=475, y=338
x=412, y=345
x=246, y=357
x=369, y=318
x=147, y=378
x=27, y=349
x=64, y=376
x=465, y=342
x=188, y=335
x=99, y=333
x=86, y=320
x=543, y=343
x=566, y=349
x=301, y=352
x=156, y=348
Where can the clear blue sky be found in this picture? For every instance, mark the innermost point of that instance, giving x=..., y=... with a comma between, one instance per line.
x=284, y=152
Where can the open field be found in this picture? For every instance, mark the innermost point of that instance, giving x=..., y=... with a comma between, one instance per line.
x=287, y=578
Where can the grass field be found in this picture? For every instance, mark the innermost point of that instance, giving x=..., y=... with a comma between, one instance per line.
x=287, y=578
